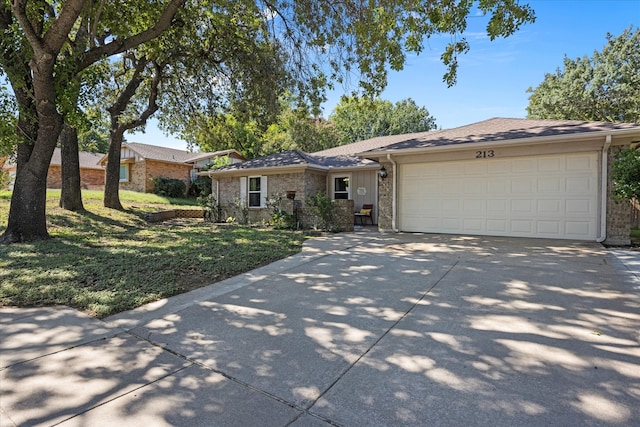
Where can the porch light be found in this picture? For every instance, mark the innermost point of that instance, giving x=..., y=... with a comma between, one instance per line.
x=382, y=172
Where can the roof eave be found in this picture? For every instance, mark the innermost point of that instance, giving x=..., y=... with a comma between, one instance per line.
x=537, y=140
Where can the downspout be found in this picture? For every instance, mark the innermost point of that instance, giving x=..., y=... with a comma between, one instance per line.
x=603, y=196
x=394, y=189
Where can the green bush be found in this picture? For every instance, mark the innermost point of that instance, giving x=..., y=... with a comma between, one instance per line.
x=200, y=187
x=211, y=207
x=625, y=173
x=169, y=187
x=322, y=207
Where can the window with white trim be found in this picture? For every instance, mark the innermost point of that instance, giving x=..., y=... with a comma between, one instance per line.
x=124, y=172
x=253, y=191
x=341, y=187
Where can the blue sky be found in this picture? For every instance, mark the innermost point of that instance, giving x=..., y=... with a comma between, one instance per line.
x=494, y=75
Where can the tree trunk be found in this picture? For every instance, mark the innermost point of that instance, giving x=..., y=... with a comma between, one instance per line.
x=112, y=181
x=27, y=217
x=71, y=195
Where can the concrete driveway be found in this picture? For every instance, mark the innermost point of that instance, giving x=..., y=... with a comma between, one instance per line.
x=359, y=329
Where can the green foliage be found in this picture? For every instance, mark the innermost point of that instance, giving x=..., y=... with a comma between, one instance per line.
x=241, y=211
x=200, y=187
x=321, y=206
x=625, y=174
x=8, y=121
x=169, y=187
x=213, y=210
x=605, y=87
x=280, y=219
x=357, y=119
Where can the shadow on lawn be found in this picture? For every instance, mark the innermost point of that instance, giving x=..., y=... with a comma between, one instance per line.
x=402, y=330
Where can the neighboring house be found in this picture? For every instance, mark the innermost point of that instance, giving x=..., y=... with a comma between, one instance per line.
x=499, y=177
x=141, y=163
x=507, y=177
x=91, y=172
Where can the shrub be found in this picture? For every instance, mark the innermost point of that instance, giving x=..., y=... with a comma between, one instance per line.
x=211, y=207
x=322, y=207
x=169, y=187
x=241, y=210
x=625, y=173
x=200, y=187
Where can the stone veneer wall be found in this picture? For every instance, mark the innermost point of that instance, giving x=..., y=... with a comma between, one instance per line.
x=385, y=199
x=618, y=213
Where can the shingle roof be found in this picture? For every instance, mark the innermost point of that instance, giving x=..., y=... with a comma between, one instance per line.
x=369, y=144
x=498, y=129
x=87, y=160
x=298, y=158
x=154, y=152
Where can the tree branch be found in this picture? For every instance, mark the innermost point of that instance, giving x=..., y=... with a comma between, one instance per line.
x=118, y=46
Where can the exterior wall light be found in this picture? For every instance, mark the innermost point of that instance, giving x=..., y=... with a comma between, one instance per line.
x=382, y=172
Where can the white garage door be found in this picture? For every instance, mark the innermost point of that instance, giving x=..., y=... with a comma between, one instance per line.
x=552, y=196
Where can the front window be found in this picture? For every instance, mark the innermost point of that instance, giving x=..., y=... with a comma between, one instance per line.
x=341, y=188
x=124, y=173
x=255, y=192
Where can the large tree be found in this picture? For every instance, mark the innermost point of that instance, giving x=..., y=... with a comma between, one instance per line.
x=324, y=41
x=604, y=87
x=33, y=35
x=359, y=118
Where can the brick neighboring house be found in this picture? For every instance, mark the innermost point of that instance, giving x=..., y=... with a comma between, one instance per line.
x=91, y=172
x=498, y=177
x=141, y=163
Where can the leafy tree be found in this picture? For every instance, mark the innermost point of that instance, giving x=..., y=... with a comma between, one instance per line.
x=625, y=173
x=45, y=46
x=343, y=38
x=605, y=87
x=356, y=119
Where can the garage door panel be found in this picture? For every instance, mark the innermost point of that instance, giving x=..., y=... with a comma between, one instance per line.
x=544, y=196
x=549, y=228
x=497, y=206
x=579, y=185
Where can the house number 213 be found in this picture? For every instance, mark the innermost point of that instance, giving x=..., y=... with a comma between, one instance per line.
x=485, y=154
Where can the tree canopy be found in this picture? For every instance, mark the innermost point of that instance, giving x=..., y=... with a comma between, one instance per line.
x=359, y=118
x=625, y=174
x=46, y=45
x=604, y=87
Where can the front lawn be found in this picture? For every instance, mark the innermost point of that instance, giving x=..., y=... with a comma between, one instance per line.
x=104, y=261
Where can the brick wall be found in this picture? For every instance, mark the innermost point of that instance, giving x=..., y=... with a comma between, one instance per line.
x=166, y=170
x=618, y=213
x=91, y=179
x=54, y=177
x=136, y=178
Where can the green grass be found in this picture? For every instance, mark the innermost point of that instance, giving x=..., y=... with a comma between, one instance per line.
x=635, y=235
x=103, y=261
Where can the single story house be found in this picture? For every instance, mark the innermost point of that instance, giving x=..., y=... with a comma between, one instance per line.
x=91, y=171
x=141, y=163
x=498, y=177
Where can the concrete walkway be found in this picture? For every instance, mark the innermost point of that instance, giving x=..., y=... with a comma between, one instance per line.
x=358, y=329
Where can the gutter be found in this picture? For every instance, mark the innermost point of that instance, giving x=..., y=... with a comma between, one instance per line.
x=603, y=196
x=394, y=187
